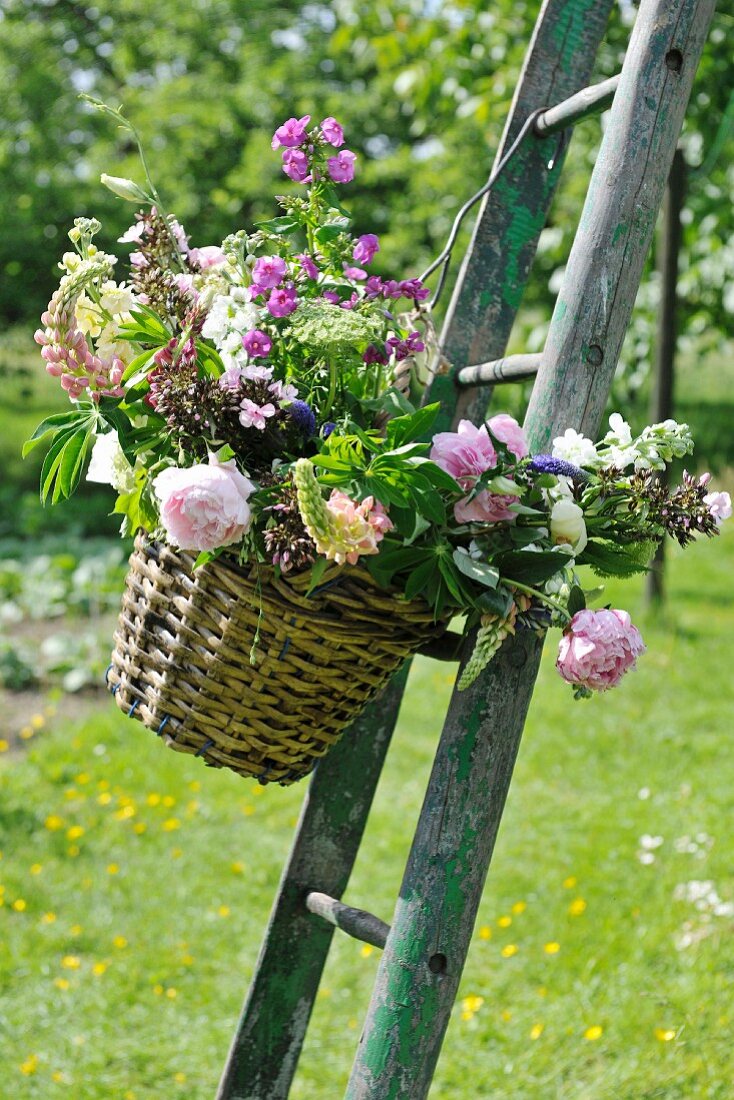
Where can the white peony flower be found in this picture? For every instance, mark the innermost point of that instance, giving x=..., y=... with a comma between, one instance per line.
x=108, y=465
x=575, y=448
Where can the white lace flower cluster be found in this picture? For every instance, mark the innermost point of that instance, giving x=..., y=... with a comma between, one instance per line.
x=656, y=445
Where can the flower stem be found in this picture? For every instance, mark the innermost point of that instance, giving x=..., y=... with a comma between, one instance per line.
x=538, y=595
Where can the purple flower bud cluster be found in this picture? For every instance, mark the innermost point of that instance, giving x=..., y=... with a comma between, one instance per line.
x=375, y=287
x=548, y=464
x=401, y=349
x=299, y=147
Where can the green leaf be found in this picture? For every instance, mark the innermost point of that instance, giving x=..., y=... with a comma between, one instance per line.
x=328, y=232
x=494, y=602
x=607, y=560
x=140, y=363
x=419, y=578
x=279, y=226
x=54, y=423
x=530, y=567
x=416, y=425
x=318, y=569
x=576, y=600
x=479, y=571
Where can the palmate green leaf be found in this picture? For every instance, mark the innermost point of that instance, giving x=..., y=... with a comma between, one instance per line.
x=62, y=466
x=413, y=426
x=54, y=424
x=419, y=578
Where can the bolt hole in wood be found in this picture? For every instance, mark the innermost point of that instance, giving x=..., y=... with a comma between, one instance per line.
x=437, y=964
x=594, y=355
x=674, y=60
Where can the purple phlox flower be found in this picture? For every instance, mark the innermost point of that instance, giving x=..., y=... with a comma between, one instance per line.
x=307, y=265
x=302, y=416
x=269, y=271
x=253, y=415
x=231, y=378
x=399, y=348
x=256, y=291
x=180, y=236
x=137, y=259
x=257, y=372
x=365, y=248
x=332, y=132
x=291, y=133
x=391, y=288
x=295, y=165
x=210, y=255
x=374, y=286
x=374, y=355
x=548, y=464
x=341, y=167
x=257, y=344
x=356, y=273
x=414, y=288
x=282, y=301
x=331, y=296
x=283, y=391
x=327, y=429
x=350, y=303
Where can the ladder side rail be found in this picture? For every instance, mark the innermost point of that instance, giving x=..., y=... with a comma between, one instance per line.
x=421, y=967
x=496, y=265
x=267, y=1043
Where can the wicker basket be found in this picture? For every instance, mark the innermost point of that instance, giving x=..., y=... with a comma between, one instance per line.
x=181, y=663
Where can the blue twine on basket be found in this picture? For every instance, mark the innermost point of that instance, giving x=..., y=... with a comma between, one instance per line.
x=133, y=708
x=285, y=648
x=159, y=731
x=107, y=676
x=207, y=745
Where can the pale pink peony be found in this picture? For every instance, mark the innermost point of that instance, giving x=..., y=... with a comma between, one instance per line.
x=204, y=507
x=597, y=648
x=355, y=529
x=465, y=453
x=508, y=431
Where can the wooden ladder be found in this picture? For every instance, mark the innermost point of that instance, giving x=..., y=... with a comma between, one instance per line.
x=425, y=947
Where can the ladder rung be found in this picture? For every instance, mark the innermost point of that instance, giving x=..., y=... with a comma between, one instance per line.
x=589, y=101
x=355, y=922
x=513, y=368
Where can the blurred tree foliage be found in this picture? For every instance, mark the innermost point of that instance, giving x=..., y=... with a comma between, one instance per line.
x=421, y=87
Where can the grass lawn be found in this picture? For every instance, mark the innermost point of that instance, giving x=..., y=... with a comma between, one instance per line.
x=136, y=887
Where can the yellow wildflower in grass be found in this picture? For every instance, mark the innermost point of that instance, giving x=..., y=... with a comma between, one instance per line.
x=506, y=1014
x=30, y=1065
x=153, y=799
x=71, y=962
x=176, y=853
x=20, y=905
x=59, y=1077
x=76, y=930
x=119, y=942
x=187, y=960
x=664, y=1034
x=158, y=990
x=366, y=950
x=179, y=1078
x=472, y=1003
x=70, y=793
x=103, y=785
x=224, y=911
x=519, y=907
x=195, y=785
x=82, y=778
x=73, y=850
x=593, y=1033
x=4, y=745
x=48, y=918
x=168, y=800
x=62, y=983
x=27, y=732
x=508, y=951
x=248, y=810
x=237, y=868
x=577, y=907
x=139, y=827
x=104, y=799
x=124, y=813
x=171, y=993
x=192, y=806
x=38, y=721
x=552, y=948
x=74, y=832
x=485, y=932
x=504, y=922
x=99, y=968
x=113, y=869
x=536, y=1031
x=53, y=823
x=570, y=882
x=170, y=824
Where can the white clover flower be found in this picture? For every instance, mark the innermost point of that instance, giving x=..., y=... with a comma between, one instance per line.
x=108, y=465
x=575, y=448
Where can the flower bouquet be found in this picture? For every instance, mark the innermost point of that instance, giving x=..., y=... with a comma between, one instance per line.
x=300, y=529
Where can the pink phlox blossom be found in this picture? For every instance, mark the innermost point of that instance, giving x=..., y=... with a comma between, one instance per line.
x=332, y=131
x=255, y=416
x=231, y=379
x=507, y=430
x=341, y=167
x=295, y=165
x=414, y=288
x=350, y=303
x=255, y=291
x=356, y=273
x=282, y=302
x=134, y=234
x=283, y=391
x=365, y=248
x=355, y=529
x=269, y=271
x=307, y=265
x=374, y=287
x=291, y=133
x=331, y=296
x=256, y=343
x=598, y=648
x=391, y=288
x=210, y=255
x=719, y=505
x=257, y=372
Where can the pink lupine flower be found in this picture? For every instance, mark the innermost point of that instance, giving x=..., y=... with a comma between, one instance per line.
x=204, y=507
x=507, y=430
x=365, y=248
x=257, y=344
x=719, y=505
x=269, y=271
x=597, y=648
x=291, y=133
x=295, y=165
x=341, y=167
x=356, y=529
x=282, y=302
x=332, y=131
x=256, y=416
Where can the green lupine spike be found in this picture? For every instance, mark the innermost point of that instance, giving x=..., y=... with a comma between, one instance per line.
x=311, y=504
x=73, y=284
x=490, y=637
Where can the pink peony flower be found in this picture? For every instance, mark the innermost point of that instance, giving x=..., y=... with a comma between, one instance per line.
x=332, y=131
x=210, y=255
x=365, y=248
x=291, y=133
x=597, y=648
x=356, y=529
x=257, y=344
x=465, y=453
x=282, y=302
x=204, y=507
x=269, y=271
x=507, y=430
x=253, y=415
x=341, y=167
x=719, y=505
x=295, y=164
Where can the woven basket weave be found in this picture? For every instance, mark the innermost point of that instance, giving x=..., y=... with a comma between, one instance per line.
x=181, y=663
